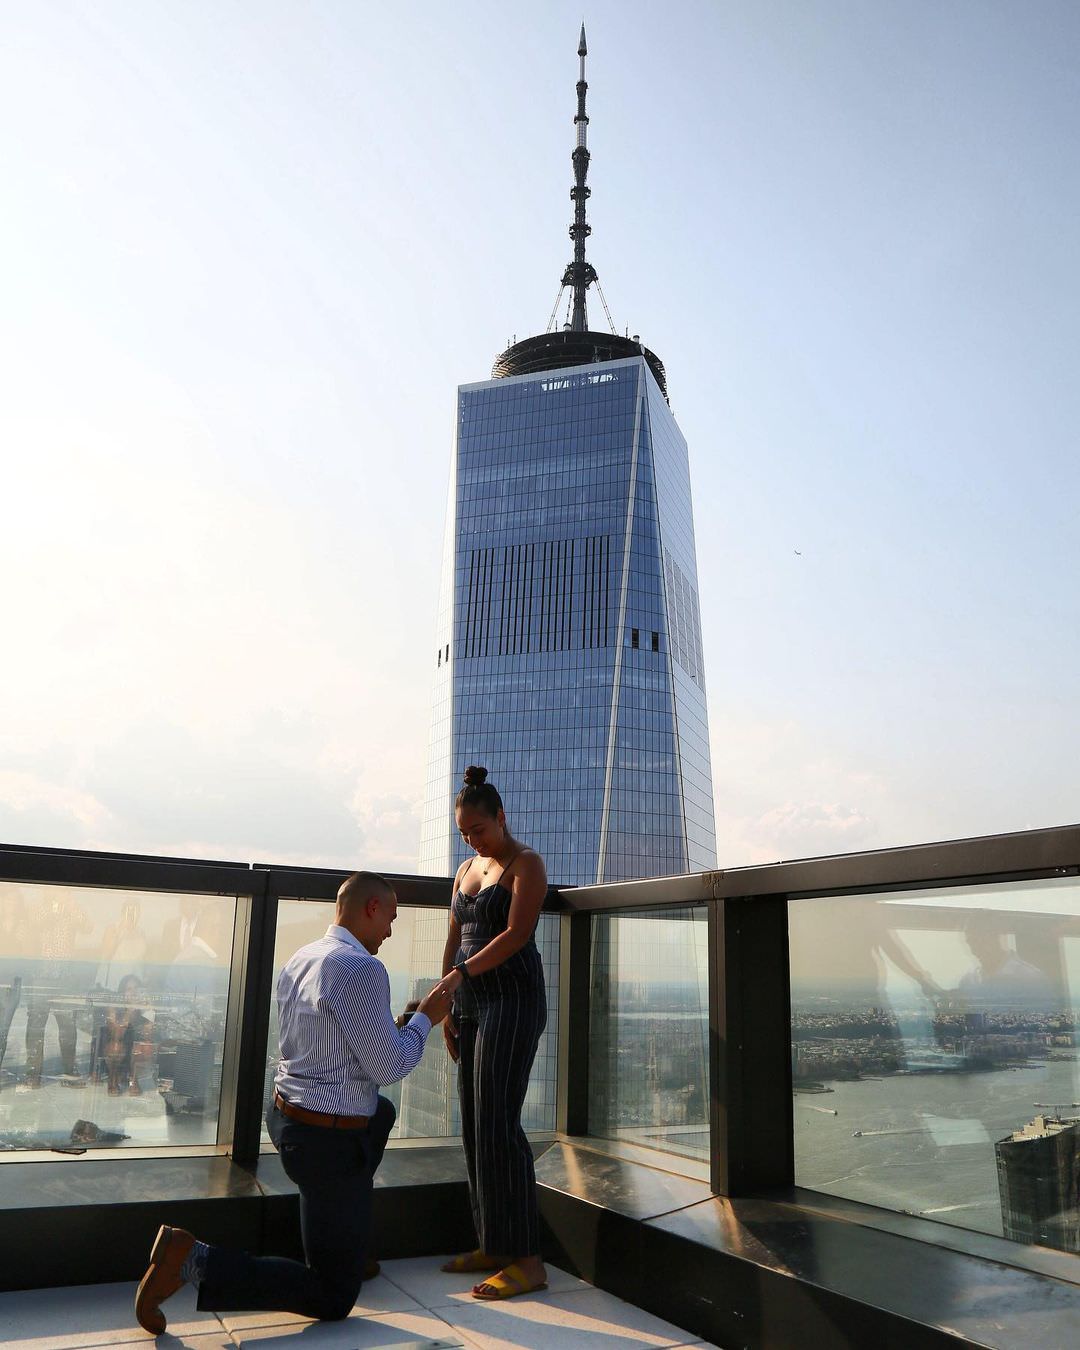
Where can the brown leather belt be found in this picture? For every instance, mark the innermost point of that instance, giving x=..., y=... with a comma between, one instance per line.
x=322, y=1118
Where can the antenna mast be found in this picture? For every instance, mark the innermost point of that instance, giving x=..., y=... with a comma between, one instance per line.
x=580, y=275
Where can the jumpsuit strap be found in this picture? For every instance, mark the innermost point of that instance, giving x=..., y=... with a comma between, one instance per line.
x=509, y=868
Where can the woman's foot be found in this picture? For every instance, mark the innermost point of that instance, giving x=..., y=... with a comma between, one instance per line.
x=524, y=1276
x=470, y=1261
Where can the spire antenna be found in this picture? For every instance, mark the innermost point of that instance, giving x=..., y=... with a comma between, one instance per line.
x=572, y=342
x=580, y=275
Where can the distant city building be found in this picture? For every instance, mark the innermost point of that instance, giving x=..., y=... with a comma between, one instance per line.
x=1039, y=1183
x=568, y=653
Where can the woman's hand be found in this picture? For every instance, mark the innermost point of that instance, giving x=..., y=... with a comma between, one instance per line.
x=450, y=1036
x=449, y=984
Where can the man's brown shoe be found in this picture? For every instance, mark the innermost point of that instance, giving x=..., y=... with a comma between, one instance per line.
x=162, y=1278
x=372, y=1269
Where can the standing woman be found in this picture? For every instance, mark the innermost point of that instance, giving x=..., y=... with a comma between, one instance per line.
x=493, y=967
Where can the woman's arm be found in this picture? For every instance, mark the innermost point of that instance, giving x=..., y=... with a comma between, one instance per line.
x=526, y=901
x=453, y=945
x=453, y=936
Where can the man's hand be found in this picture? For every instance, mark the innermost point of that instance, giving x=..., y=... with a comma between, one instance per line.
x=450, y=1036
x=403, y=1019
x=436, y=1005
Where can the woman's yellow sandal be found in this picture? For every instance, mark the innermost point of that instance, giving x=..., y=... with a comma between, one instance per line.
x=508, y=1283
x=469, y=1262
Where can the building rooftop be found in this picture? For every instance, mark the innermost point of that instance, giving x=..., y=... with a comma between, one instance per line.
x=1043, y=1127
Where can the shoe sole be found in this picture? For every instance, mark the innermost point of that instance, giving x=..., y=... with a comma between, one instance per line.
x=161, y=1242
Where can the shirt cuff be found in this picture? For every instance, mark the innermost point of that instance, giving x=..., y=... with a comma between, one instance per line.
x=422, y=1022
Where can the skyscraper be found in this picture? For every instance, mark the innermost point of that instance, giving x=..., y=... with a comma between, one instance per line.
x=1039, y=1182
x=568, y=655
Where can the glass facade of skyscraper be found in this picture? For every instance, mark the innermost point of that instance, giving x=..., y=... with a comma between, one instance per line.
x=568, y=655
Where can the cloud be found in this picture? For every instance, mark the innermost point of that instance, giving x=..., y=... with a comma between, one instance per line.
x=36, y=810
x=782, y=791
x=390, y=826
x=801, y=829
x=280, y=788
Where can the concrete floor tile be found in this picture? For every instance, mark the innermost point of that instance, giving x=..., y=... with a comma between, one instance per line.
x=579, y=1320
x=377, y=1296
x=355, y=1333
x=421, y=1278
x=83, y=1316
x=215, y=1340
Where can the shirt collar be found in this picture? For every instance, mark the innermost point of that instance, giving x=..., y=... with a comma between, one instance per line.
x=343, y=935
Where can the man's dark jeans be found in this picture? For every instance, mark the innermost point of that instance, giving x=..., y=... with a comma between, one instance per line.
x=333, y=1170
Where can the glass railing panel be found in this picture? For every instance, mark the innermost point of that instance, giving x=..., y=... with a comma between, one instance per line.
x=934, y=1054
x=648, y=1030
x=426, y=1100
x=112, y=1017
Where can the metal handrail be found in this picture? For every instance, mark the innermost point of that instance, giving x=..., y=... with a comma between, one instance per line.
x=998, y=857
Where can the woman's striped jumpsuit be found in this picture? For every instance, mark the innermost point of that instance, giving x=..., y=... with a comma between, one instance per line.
x=500, y=1016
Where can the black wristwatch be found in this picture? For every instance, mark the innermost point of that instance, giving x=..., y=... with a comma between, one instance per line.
x=459, y=966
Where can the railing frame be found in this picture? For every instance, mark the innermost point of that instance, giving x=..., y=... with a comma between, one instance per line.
x=750, y=1118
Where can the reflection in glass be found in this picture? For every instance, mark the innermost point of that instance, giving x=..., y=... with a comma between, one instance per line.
x=934, y=1054
x=648, y=1030
x=426, y=1099
x=112, y=1016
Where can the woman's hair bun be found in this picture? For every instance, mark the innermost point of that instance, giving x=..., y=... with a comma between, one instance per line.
x=475, y=775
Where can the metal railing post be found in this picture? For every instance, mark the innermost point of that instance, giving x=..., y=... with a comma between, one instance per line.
x=750, y=1116
x=254, y=1013
x=572, y=1103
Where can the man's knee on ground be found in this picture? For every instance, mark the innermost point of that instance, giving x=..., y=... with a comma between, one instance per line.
x=335, y=1306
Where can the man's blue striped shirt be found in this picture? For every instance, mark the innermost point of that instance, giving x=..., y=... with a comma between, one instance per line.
x=339, y=1042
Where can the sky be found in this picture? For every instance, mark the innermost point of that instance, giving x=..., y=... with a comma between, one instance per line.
x=248, y=252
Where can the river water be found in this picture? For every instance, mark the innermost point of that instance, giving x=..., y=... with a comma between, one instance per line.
x=927, y=1142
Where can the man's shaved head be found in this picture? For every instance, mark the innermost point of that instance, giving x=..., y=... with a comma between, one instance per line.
x=355, y=891
x=367, y=907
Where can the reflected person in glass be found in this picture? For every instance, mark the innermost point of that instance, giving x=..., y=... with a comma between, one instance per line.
x=492, y=966
x=59, y=923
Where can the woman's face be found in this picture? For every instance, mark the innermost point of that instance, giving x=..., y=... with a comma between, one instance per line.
x=483, y=833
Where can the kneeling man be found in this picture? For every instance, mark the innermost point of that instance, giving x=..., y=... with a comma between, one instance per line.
x=339, y=1045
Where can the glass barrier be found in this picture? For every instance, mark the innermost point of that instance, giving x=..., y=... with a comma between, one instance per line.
x=426, y=1099
x=934, y=1054
x=112, y=1017
x=649, y=1030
